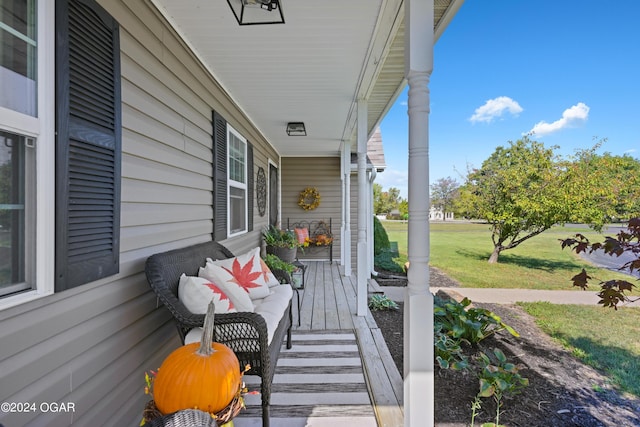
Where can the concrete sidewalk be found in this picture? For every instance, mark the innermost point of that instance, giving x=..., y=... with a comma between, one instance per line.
x=510, y=296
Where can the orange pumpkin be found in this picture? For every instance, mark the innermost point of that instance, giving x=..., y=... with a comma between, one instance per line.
x=204, y=376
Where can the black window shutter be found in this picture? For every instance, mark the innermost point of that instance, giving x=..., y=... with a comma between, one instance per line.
x=219, y=177
x=88, y=144
x=250, y=196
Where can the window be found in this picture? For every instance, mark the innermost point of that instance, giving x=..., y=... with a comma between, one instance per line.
x=59, y=222
x=237, y=182
x=17, y=213
x=26, y=140
x=233, y=181
x=18, y=56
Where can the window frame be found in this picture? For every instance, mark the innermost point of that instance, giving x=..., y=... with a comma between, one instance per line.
x=231, y=183
x=42, y=130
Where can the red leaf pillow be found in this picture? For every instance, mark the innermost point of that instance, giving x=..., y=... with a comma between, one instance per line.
x=244, y=271
x=196, y=292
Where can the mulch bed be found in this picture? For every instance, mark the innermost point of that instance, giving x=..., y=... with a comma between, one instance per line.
x=562, y=391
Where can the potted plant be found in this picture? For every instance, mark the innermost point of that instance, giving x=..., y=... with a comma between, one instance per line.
x=282, y=243
x=275, y=264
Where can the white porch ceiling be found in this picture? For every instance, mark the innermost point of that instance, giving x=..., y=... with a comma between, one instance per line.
x=311, y=69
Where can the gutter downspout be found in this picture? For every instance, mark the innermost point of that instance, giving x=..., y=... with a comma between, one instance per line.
x=362, y=255
x=372, y=178
x=345, y=244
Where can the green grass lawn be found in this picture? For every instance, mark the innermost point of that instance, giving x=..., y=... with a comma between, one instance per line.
x=461, y=250
x=603, y=338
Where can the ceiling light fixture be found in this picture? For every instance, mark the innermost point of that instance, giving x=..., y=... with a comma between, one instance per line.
x=296, y=129
x=257, y=12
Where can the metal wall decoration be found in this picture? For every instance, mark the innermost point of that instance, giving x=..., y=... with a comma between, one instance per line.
x=261, y=191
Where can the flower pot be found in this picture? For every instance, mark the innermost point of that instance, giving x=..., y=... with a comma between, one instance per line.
x=285, y=254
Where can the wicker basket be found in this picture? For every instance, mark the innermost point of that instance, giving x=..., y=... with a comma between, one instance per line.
x=192, y=417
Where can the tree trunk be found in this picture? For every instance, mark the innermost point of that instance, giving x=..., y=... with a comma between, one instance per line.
x=493, y=259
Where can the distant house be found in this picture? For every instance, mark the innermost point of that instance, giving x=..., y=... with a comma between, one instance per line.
x=394, y=214
x=436, y=214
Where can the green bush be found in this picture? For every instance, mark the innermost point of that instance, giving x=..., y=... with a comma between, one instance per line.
x=380, y=237
x=385, y=261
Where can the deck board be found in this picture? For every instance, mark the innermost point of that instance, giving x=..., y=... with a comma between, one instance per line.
x=332, y=318
x=328, y=302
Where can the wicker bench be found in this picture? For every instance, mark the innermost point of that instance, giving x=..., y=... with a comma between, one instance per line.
x=319, y=232
x=244, y=332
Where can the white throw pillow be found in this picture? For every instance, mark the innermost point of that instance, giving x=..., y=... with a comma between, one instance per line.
x=196, y=293
x=224, y=280
x=268, y=275
x=245, y=271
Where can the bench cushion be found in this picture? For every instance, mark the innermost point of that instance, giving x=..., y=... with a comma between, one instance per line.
x=272, y=308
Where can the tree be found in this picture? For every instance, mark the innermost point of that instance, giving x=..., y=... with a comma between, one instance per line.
x=403, y=207
x=612, y=292
x=377, y=199
x=443, y=194
x=524, y=189
x=385, y=201
x=617, y=195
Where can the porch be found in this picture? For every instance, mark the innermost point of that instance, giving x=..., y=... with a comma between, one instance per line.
x=322, y=379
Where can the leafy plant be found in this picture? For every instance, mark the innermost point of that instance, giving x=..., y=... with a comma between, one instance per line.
x=381, y=302
x=612, y=292
x=455, y=323
x=275, y=263
x=498, y=379
x=470, y=324
x=273, y=236
x=448, y=351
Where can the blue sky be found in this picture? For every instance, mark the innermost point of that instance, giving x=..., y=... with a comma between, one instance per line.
x=568, y=70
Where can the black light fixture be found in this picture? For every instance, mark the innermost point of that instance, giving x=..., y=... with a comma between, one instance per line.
x=296, y=129
x=257, y=12
x=297, y=276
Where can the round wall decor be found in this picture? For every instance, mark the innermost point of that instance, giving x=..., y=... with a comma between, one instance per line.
x=309, y=199
x=261, y=191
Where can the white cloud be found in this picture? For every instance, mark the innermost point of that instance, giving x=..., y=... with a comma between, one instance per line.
x=495, y=108
x=571, y=117
x=393, y=178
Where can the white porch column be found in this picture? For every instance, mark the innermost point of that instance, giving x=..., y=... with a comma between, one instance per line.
x=346, y=208
x=418, y=315
x=362, y=257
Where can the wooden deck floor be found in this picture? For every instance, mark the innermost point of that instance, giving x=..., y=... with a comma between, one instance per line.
x=328, y=302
